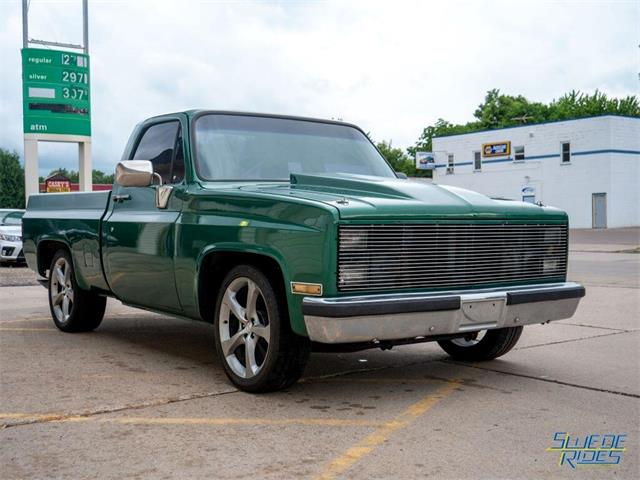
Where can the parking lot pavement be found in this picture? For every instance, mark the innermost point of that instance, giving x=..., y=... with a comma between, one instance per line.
x=16, y=276
x=611, y=240
x=145, y=397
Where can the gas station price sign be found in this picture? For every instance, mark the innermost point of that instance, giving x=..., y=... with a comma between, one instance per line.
x=55, y=92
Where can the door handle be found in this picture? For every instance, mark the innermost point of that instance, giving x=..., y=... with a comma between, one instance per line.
x=121, y=198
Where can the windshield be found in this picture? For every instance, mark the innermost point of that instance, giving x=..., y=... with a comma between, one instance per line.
x=243, y=147
x=11, y=218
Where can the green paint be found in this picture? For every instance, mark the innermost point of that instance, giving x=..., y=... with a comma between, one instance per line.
x=55, y=92
x=154, y=258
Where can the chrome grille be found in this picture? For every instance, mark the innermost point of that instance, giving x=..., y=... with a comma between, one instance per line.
x=400, y=256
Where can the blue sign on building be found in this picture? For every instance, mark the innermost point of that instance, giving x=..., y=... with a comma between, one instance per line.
x=496, y=149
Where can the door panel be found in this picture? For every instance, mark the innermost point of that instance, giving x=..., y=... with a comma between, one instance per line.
x=599, y=205
x=139, y=249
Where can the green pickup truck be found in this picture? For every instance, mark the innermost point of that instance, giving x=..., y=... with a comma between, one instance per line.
x=293, y=234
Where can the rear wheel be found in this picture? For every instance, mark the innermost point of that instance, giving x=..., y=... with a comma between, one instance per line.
x=259, y=352
x=480, y=346
x=73, y=310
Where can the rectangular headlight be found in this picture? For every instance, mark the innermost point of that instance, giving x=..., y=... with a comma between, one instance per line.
x=10, y=238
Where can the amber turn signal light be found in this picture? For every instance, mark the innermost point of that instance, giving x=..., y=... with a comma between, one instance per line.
x=306, y=288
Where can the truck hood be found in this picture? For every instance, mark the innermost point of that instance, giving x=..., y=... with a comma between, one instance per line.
x=363, y=197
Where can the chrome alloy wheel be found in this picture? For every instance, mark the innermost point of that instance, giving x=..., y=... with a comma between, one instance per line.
x=61, y=290
x=243, y=326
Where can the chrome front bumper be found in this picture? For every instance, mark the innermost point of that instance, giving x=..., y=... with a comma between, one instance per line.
x=369, y=318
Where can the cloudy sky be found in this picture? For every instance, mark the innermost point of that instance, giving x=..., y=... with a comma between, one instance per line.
x=392, y=67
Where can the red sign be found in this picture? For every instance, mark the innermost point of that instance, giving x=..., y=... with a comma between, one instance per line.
x=57, y=185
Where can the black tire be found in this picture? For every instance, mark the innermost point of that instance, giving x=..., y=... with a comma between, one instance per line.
x=84, y=310
x=494, y=344
x=286, y=353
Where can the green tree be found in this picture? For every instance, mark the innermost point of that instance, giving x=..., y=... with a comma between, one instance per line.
x=398, y=160
x=11, y=180
x=98, y=176
x=498, y=111
x=576, y=104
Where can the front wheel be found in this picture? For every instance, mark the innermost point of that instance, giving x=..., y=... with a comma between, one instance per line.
x=478, y=347
x=253, y=338
x=73, y=310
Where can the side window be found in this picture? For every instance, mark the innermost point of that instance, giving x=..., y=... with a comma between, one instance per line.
x=450, y=163
x=519, y=154
x=477, y=161
x=157, y=145
x=566, y=152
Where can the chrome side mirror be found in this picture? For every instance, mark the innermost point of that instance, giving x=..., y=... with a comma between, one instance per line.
x=139, y=173
x=134, y=173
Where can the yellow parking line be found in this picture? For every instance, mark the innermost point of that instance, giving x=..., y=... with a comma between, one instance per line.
x=38, y=417
x=30, y=319
x=365, y=446
x=18, y=329
x=20, y=415
x=324, y=422
x=381, y=380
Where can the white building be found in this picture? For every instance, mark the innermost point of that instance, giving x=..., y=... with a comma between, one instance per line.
x=589, y=167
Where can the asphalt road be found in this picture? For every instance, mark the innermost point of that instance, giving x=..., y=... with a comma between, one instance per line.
x=145, y=397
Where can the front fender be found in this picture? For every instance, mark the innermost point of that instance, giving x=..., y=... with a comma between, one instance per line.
x=260, y=252
x=304, y=251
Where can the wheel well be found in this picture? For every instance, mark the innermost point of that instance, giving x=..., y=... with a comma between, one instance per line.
x=215, y=267
x=46, y=250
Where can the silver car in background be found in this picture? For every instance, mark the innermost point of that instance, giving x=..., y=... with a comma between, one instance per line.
x=11, y=236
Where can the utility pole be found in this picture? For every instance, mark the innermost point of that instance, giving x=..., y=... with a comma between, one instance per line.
x=56, y=99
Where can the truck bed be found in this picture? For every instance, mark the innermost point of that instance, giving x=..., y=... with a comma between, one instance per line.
x=72, y=219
